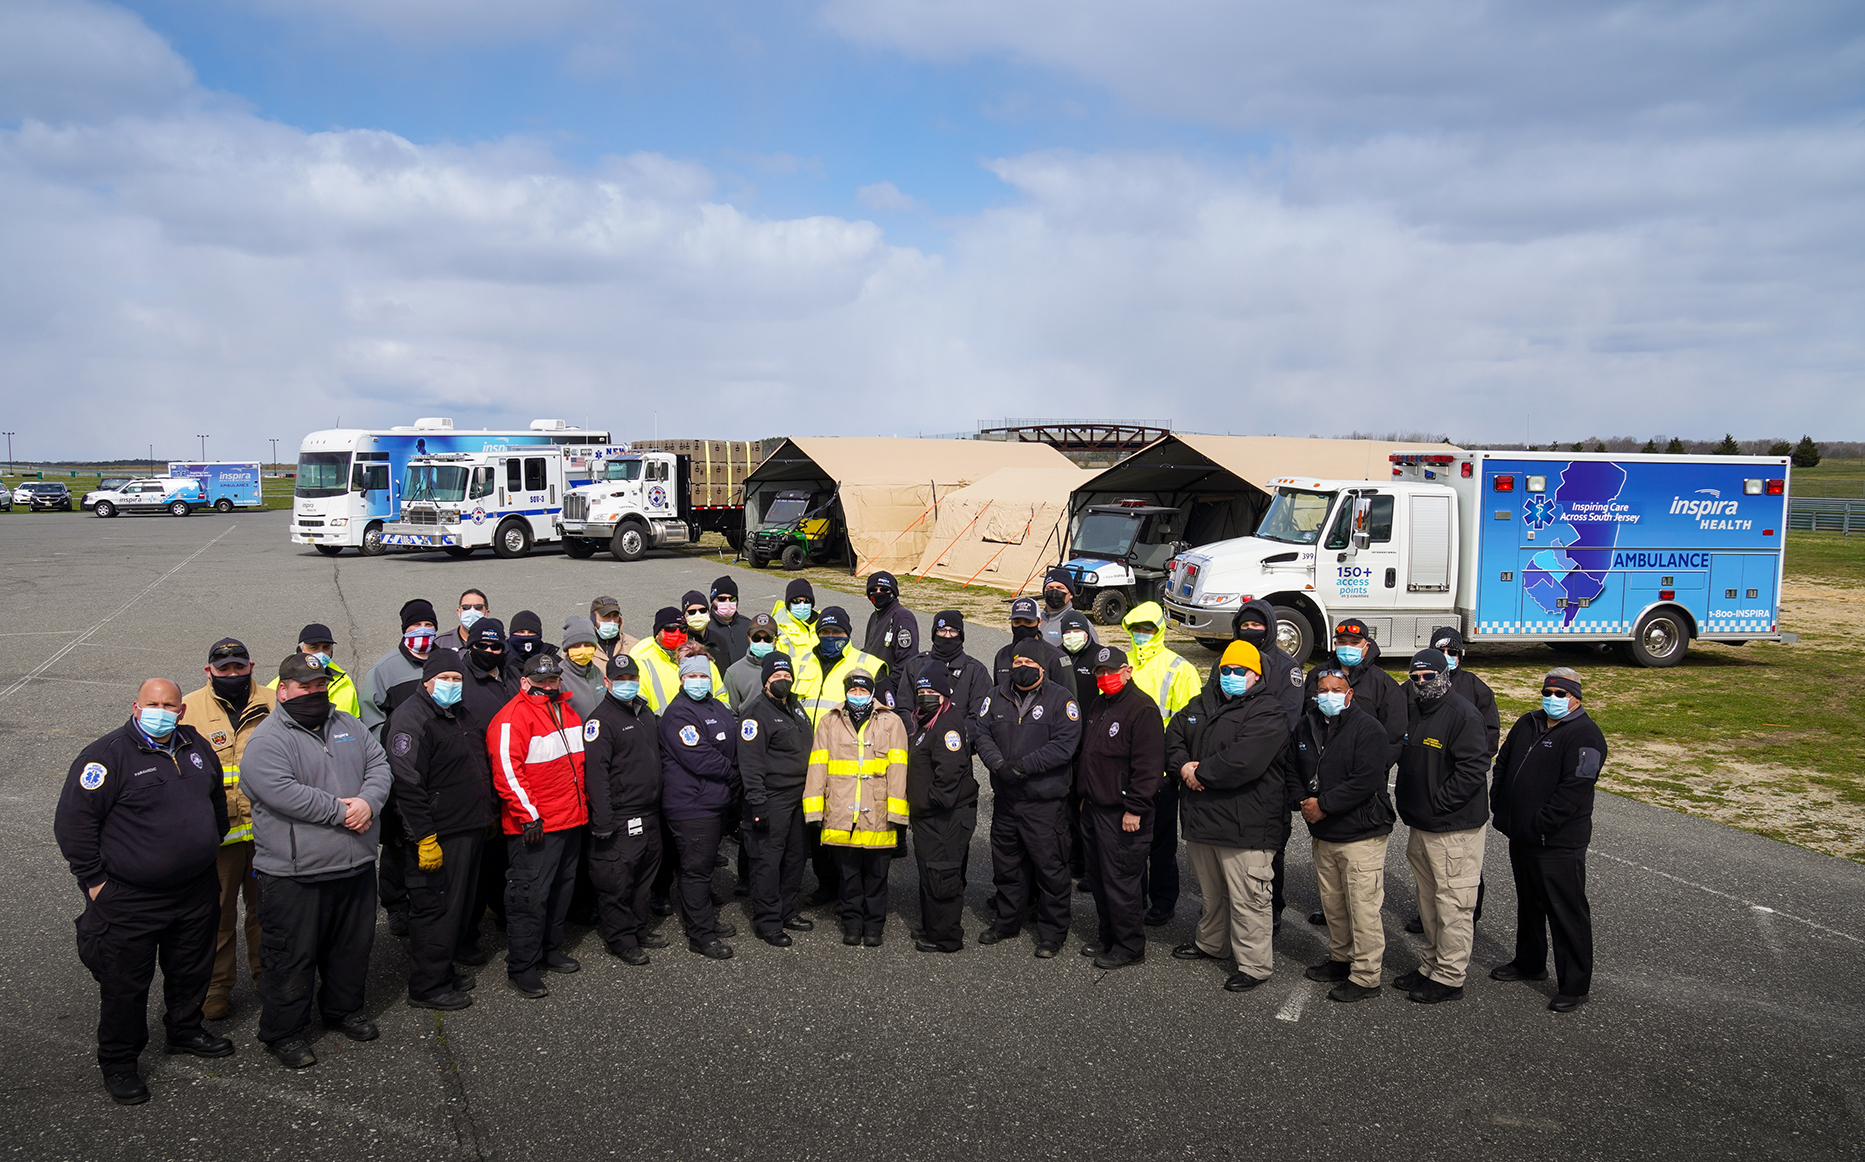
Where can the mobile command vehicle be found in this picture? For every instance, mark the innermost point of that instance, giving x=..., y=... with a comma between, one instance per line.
x=349, y=480
x=225, y=484
x=650, y=497
x=175, y=495
x=508, y=499
x=1647, y=552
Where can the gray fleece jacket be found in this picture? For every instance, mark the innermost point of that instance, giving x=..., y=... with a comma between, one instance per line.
x=295, y=778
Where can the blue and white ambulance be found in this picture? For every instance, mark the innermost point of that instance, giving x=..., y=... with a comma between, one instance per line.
x=225, y=484
x=1649, y=552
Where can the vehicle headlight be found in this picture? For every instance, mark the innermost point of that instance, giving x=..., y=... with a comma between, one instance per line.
x=339, y=522
x=1091, y=578
x=1220, y=599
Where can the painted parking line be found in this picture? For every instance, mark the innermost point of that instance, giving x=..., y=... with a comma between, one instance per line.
x=1750, y=904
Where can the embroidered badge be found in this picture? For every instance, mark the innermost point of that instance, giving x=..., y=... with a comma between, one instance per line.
x=952, y=740
x=1113, y=729
x=198, y=764
x=749, y=730
x=689, y=735
x=93, y=776
x=401, y=744
x=591, y=729
x=219, y=738
x=1036, y=715
x=1074, y=713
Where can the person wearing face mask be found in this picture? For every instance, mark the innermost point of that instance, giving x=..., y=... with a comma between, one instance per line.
x=582, y=668
x=696, y=616
x=1228, y=748
x=605, y=617
x=967, y=680
x=856, y=789
x=316, y=641
x=942, y=801
x=489, y=684
x=659, y=658
x=226, y=711
x=1254, y=624
x=1542, y=798
x=1340, y=760
x=699, y=775
x=796, y=618
x=744, y=679
x=1026, y=625
x=621, y=753
x=443, y=793
x=473, y=606
x=318, y=782
x=145, y=865
x=1026, y=734
x=1171, y=682
x=1442, y=794
x=1356, y=652
x=1058, y=603
x=774, y=737
x=820, y=676
x=1119, y=773
x=524, y=640
x=394, y=678
x=893, y=636
x=536, y=744
x=729, y=630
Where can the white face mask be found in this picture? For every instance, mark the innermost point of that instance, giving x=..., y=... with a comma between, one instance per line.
x=1074, y=640
x=468, y=617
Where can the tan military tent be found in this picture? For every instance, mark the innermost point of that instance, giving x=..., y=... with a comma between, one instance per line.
x=1004, y=530
x=888, y=488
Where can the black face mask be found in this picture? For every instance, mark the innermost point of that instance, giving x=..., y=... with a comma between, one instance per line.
x=1055, y=599
x=526, y=646
x=1255, y=637
x=549, y=695
x=233, y=689
x=946, y=647
x=930, y=701
x=780, y=688
x=487, y=661
x=1023, y=633
x=309, y=710
x=881, y=599
x=1026, y=677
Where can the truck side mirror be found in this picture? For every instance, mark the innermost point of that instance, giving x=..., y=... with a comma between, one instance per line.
x=1362, y=512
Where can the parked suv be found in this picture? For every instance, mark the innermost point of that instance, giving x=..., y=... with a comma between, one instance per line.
x=176, y=495
x=48, y=494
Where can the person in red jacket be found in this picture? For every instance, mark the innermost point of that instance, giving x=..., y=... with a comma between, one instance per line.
x=536, y=744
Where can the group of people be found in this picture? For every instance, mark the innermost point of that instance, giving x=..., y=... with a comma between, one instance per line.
x=481, y=770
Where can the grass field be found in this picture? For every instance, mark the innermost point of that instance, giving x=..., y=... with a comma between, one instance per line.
x=277, y=493
x=1831, y=477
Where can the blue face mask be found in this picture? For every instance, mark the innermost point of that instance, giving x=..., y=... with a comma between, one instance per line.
x=1553, y=707
x=1350, y=655
x=801, y=610
x=1234, y=684
x=446, y=693
x=1140, y=639
x=626, y=691
x=157, y=722
x=697, y=688
x=832, y=647
x=608, y=630
x=759, y=649
x=1331, y=702
x=323, y=659
x=859, y=699
x=1451, y=660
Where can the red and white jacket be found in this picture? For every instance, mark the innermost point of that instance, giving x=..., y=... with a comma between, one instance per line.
x=537, y=763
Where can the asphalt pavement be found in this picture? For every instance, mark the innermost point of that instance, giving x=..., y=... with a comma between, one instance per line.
x=1726, y=1018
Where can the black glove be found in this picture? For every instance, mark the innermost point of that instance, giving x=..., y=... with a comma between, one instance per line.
x=1015, y=771
x=534, y=833
x=757, y=820
x=602, y=836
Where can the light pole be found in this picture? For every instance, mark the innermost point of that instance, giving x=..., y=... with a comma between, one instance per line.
x=275, y=454
x=203, y=440
x=9, y=450
x=152, y=470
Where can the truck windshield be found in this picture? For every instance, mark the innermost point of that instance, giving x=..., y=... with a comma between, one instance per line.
x=786, y=509
x=1295, y=517
x=323, y=474
x=440, y=482
x=622, y=470
x=1107, y=534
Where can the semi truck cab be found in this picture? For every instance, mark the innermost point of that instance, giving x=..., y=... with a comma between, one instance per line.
x=639, y=501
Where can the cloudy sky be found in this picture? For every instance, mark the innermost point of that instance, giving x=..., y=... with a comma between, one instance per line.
x=895, y=216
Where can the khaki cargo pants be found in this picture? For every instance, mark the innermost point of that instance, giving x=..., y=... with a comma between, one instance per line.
x=1352, y=880
x=1237, y=883
x=1448, y=866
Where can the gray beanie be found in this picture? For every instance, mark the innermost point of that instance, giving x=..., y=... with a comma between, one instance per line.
x=697, y=666
x=577, y=631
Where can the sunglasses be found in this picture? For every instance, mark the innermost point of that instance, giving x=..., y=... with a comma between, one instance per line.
x=1233, y=671
x=479, y=605
x=1562, y=694
x=1423, y=675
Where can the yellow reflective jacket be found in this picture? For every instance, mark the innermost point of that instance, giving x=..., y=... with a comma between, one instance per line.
x=342, y=691
x=660, y=675
x=1168, y=679
x=820, y=690
x=208, y=715
x=857, y=781
x=793, y=637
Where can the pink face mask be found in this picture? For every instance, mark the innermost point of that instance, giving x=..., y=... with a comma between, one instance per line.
x=725, y=609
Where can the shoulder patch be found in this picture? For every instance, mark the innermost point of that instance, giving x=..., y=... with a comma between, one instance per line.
x=748, y=730
x=689, y=735
x=199, y=763
x=591, y=730
x=984, y=707
x=93, y=776
x=1036, y=713
x=1074, y=712
x=1295, y=676
x=905, y=639
x=402, y=743
x=1113, y=729
x=952, y=740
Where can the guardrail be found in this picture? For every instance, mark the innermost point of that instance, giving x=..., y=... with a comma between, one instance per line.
x=1816, y=514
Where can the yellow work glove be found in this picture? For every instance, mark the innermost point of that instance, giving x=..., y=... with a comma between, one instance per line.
x=428, y=853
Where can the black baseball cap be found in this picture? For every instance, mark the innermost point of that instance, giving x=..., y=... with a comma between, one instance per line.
x=543, y=666
x=1025, y=609
x=622, y=666
x=317, y=631
x=1110, y=658
x=300, y=668
x=227, y=648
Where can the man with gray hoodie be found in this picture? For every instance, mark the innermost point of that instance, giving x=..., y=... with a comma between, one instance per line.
x=582, y=665
x=317, y=780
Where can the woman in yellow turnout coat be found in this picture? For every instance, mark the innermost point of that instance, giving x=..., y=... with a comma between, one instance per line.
x=857, y=789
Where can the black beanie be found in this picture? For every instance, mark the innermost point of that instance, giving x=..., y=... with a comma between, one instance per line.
x=774, y=661
x=524, y=621
x=799, y=587
x=667, y=617
x=953, y=618
x=439, y=662
x=725, y=587
x=417, y=610
x=1031, y=648
x=934, y=678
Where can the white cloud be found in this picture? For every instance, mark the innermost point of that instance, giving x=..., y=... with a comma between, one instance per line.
x=886, y=197
x=65, y=59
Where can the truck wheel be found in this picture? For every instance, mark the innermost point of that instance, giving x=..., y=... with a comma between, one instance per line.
x=223, y=505
x=1294, y=635
x=459, y=551
x=758, y=560
x=735, y=539
x=1661, y=639
x=630, y=541
x=104, y=508
x=794, y=557
x=372, y=545
x=1110, y=605
x=512, y=540
x=328, y=550
x=179, y=508
x=579, y=547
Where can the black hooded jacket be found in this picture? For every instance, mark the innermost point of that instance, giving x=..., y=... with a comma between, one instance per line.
x=939, y=753
x=1341, y=764
x=1082, y=663
x=1027, y=739
x=1281, y=673
x=892, y=635
x=1123, y=752
x=971, y=682
x=1443, y=766
x=1544, y=780
x=1241, y=746
x=1374, y=691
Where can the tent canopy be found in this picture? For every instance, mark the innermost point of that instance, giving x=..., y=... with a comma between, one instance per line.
x=1003, y=530
x=1218, y=481
x=886, y=487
